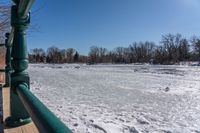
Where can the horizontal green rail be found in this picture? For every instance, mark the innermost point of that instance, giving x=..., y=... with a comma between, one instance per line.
x=24, y=7
x=44, y=119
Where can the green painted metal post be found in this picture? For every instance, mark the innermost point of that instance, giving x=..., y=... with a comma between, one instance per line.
x=19, y=62
x=8, y=61
x=23, y=102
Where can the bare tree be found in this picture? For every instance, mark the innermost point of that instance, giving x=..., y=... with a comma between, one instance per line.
x=70, y=54
x=184, y=50
x=102, y=54
x=37, y=55
x=196, y=47
x=119, y=53
x=63, y=55
x=160, y=55
x=76, y=57
x=54, y=55
x=133, y=52
x=141, y=52
x=93, y=55
x=171, y=44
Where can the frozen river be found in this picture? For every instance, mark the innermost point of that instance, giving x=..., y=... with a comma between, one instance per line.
x=121, y=98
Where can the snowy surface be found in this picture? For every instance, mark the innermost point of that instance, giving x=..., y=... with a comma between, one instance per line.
x=121, y=98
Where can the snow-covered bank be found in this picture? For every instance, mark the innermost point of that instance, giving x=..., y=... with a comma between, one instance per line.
x=121, y=98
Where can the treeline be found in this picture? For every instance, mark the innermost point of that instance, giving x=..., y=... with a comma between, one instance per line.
x=56, y=55
x=172, y=49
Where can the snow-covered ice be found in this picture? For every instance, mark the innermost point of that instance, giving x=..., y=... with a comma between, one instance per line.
x=120, y=98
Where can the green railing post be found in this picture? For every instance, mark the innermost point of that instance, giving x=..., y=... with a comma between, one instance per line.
x=19, y=62
x=23, y=103
x=8, y=61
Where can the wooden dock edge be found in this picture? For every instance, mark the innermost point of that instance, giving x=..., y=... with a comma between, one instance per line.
x=28, y=128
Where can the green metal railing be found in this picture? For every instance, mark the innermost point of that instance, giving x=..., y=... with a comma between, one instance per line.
x=44, y=119
x=25, y=107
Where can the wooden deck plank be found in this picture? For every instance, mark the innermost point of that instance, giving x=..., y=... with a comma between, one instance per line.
x=2, y=77
x=6, y=102
x=28, y=128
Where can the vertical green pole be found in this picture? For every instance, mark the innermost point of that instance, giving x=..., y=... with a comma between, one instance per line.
x=19, y=62
x=8, y=61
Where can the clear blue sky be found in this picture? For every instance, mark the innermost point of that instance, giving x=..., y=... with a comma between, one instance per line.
x=110, y=23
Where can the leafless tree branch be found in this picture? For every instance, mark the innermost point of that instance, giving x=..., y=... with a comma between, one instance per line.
x=4, y=19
